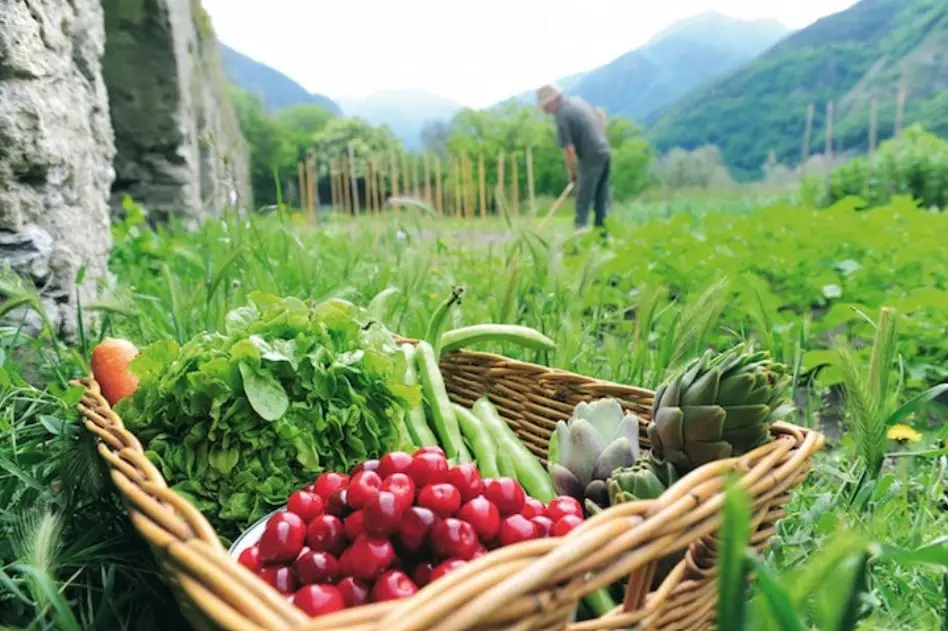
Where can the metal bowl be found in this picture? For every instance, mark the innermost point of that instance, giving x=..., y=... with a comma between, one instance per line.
x=252, y=535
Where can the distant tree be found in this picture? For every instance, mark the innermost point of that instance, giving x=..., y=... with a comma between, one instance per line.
x=271, y=146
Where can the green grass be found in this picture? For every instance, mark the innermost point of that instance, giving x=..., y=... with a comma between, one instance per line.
x=675, y=278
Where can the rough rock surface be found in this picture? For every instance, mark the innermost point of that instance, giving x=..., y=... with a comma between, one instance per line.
x=56, y=150
x=71, y=73
x=179, y=149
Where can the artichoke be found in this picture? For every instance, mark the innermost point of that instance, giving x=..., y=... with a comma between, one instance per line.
x=645, y=480
x=718, y=407
x=598, y=439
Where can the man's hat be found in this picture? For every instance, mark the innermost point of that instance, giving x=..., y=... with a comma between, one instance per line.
x=547, y=94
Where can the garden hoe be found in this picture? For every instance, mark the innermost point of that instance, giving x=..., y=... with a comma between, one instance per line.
x=559, y=202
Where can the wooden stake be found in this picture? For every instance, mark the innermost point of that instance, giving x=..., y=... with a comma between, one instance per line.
x=346, y=197
x=873, y=126
x=427, y=180
x=369, y=186
x=482, y=186
x=457, y=186
x=829, y=131
x=379, y=186
x=515, y=183
x=530, y=191
x=501, y=180
x=415, y=189
x=355, y=181
x=900, y=107
x=394, y=166
x=406, y=189
x=333, y=194
x=439, y=194
x=313, y=194
x=301, y=176
x=469, y=171
x=807, y=133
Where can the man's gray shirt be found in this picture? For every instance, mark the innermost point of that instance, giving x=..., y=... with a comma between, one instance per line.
x=578, y=125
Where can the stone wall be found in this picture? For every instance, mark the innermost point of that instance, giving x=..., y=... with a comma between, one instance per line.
x=180, y=151
x=100, y=99
x=56, y=151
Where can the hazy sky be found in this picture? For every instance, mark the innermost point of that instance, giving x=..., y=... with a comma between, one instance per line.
x=476, y=53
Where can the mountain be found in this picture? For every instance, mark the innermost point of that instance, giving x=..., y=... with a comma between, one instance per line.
x=405, y=111
x=849, y=57
x=675, y=60
x=275, y=88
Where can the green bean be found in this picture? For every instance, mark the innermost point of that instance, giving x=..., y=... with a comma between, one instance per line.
x=445, y=421
x=438, y=319
x=381, y=305
x=513, y=333
x=481, y=441
x=417, y=425
x=530, y=473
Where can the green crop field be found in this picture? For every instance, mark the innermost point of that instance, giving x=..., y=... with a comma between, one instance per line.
x=863, y=539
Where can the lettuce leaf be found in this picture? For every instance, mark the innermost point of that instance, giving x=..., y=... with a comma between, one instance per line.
x=238, y=420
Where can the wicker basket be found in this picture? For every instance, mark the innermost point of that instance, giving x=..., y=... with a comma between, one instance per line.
x=535, y=585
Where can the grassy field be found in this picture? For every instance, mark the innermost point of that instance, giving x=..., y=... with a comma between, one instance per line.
x=675, y=277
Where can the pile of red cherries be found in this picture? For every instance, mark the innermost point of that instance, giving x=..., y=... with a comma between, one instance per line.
x=392, y=526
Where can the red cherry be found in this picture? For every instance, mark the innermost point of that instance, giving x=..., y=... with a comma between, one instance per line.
x=307, y=505
x=368, y=465
x=283, y=538
x=330, y=482
x=422, y=574
x=564, y=505
x=483, y=515
x=354, y=591
x=280, y=577
x=565, y=524
x=403, y=488
x=382, y=514
x=428, y=468
x=506, y=494
x=416, y=523
x=394, y=462
x=449, y=565
x=444, y=499
x=467, y=479
x=370, y=557
x=544, y=525
x=429, y=449
x=516, y=528
x=306, y=550
x=326, y=533
x=454, y=538
x=393, y=585
x=355, y=525
x=316, y=567
x=364, y=486
x=316, y=600
x=345, y=563
x=532, y=507
x=481, y=551
x=250, y=559
x=338, y=504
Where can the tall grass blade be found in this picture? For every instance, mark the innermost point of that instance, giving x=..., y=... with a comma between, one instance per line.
x=732, y=570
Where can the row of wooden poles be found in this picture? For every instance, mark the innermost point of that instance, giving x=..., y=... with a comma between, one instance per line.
x=830, y=148
x=411, y=177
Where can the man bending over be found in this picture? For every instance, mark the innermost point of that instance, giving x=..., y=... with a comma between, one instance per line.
x=588, y=158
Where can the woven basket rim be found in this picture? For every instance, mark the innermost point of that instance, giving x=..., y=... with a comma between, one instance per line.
x=222, y=594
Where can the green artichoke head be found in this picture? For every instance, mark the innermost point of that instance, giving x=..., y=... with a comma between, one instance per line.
x=719, y=406
x=598, y=438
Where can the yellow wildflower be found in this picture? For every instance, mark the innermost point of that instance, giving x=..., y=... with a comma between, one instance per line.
x=903, y=434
